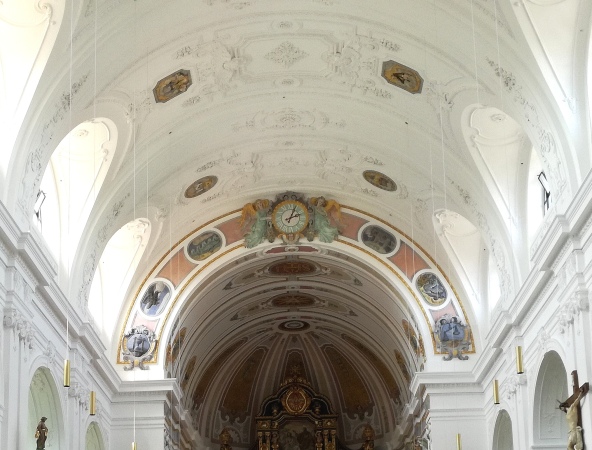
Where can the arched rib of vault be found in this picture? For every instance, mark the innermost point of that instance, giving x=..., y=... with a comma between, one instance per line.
x=397, y=274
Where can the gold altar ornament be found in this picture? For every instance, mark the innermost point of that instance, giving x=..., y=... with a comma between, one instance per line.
x=296, y=400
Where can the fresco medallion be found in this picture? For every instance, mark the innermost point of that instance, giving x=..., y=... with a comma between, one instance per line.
x=380, y=180
x=379, y=240
x=204, y=245
x=155, y=298
x=402, y=76
x=431, y=288
x=171, y=86
x=201, y=186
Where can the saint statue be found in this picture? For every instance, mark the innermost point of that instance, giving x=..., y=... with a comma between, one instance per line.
x=41, y=433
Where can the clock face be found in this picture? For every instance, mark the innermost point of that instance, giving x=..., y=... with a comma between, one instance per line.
x=290, y=216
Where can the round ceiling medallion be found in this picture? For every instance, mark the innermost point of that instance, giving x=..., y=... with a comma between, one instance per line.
x=200, y=186
x=293, y=301
x=294, y=325
x=380, y=180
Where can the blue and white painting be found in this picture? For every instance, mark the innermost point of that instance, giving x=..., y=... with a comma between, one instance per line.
x=155, y=298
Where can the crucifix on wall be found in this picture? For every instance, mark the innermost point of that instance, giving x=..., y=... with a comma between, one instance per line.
x=571, y=407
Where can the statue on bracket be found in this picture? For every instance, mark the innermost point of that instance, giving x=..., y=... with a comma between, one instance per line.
x=139, y=345
x=290, y=217
x=571, y=407
x=41, y=433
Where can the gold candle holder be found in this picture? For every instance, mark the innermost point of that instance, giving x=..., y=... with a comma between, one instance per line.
x=496, y=400
x=66, y=373
x=134, y=445
x=93, y=403
x=458, y=442
x=519, y=361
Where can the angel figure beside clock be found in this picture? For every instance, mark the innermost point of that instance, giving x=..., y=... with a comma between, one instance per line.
x=290, y=218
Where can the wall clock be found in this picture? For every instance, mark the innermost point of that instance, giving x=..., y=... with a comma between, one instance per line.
x=290, y=216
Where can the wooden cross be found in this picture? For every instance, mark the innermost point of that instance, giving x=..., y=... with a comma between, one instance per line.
x=583, y=389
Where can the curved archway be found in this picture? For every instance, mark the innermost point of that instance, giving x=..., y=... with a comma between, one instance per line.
x=550, y=427
x=502, y=434
x=43, y=402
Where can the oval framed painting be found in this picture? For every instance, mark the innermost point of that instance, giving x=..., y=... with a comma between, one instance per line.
x=155, y=298
x=380, y=180
x=201, y=186
x=431, y=288
x=379, y=240
x=204, y=245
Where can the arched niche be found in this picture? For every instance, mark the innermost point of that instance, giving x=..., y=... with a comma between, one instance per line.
x=502, y=434
x=94, y=437
x=550, y=426
x=44, y=402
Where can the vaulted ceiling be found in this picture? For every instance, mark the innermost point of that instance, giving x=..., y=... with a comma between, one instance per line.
x=213, y=104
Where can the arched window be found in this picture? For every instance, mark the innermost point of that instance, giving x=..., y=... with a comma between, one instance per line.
x=71, y=183
x=28, y=31
x=510, y=169
x=471, y=257
x=539, y=196
x=112, y=276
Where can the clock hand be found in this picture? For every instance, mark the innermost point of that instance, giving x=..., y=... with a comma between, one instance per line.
x=292, y=215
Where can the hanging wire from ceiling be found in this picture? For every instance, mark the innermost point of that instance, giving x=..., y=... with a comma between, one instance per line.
x=475, y=53
x=134, y=126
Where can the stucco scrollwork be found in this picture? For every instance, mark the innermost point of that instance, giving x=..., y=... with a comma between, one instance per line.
x=546, y=141
x=21, y=327
x=512, y=384
x=571, y=309
x=80, y=393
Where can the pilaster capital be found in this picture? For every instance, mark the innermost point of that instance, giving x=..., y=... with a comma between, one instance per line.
x=572, y=308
